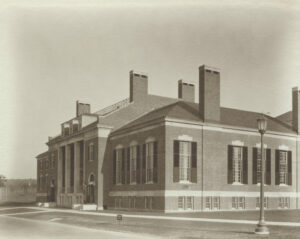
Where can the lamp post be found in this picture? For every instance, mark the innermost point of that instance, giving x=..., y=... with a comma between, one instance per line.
x=261, y=226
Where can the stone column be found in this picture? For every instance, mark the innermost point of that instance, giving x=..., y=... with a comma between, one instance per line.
x=76, y=166
x=59, y=175
x=67, y=169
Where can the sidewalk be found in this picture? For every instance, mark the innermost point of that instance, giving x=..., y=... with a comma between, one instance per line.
x=200, y=217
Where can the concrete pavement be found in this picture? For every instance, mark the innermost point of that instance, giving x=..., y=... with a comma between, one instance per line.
x=16, y=228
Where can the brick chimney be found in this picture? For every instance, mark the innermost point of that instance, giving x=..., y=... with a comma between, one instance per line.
x=138, y=86
x=209, y=93
x=186, y=91
x=82, y=108
x=296, y=109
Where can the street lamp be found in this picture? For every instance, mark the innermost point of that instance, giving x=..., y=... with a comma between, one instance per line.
x=261, y=226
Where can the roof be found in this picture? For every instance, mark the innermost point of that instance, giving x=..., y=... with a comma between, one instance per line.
x=190, y=112
x=286, y=118
x=134, y=110
x=42, y=155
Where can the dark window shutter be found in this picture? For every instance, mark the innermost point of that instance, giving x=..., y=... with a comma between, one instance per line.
x=128, y=166
x=268, y=166
x=176, y=161
x=123, y=166
x=144, y=164
x=194, y=155
x=176, y=153
x=245, y=165
x=277, y=179
x=114, y=166
x=229, y=158
x=254, y=172
x=155, y=156
x=289, y=182
x=144, y=156
x=138, y=164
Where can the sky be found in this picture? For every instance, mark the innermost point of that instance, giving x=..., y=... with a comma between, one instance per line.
x=56, y=52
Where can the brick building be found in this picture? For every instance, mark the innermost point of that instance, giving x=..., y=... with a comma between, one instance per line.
x=162, y=154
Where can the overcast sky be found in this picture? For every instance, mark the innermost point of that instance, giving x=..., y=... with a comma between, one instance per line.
x=53, y=53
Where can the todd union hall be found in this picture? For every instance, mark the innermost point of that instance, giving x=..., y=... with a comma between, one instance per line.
x=154, y=153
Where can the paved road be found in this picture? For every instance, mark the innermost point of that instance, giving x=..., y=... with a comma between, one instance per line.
x=15, y=228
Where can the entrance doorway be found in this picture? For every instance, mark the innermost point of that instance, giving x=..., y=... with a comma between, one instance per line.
x=91, y=189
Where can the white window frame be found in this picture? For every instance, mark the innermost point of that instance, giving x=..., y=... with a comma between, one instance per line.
x=185, y=161
x=283, y=167
x=91, y=152
x=133, y=163
x=119, y=166
x=149, y=162
x=258, y=171
x=237, y=164
x=185, y=203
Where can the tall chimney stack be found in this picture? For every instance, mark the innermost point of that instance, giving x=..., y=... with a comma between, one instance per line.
x=138, y=86
x=296, y=109
x=186, y=91
x=209, y=93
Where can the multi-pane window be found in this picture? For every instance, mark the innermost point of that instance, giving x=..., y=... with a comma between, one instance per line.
x=259, y=166
x=149, y=203
x=237, y=156
x=265, y=202
x=149, y=162
x=133, y=161
x=238, y=202
x=189, y=203
x=284, y=202
x=119, y=160
x=91, y=152
x=216, y=203
x=75, y=127
x=185, y=152
x=283, y=169
x=208, y=203
x=185, y=203
x=132, y=201
x=212, y=203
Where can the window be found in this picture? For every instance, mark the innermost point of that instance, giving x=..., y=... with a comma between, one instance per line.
x=149, y=162
x=216, y=203
x=283, y=167
x=180, y=203
x=237, y=165
x=185, y=151
x=118, y=202
x=66, y=131
x=75, y=127
x=284, y=202
x=185, y=162
x=118, y=165
x=185, y=203
x=212, y=203
x=257, y=166
x=132, y=201
x=189, y=203
x=238, y=202
x=133, y=163
x=91, y=152
x=149, y=203
x=258, y=202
